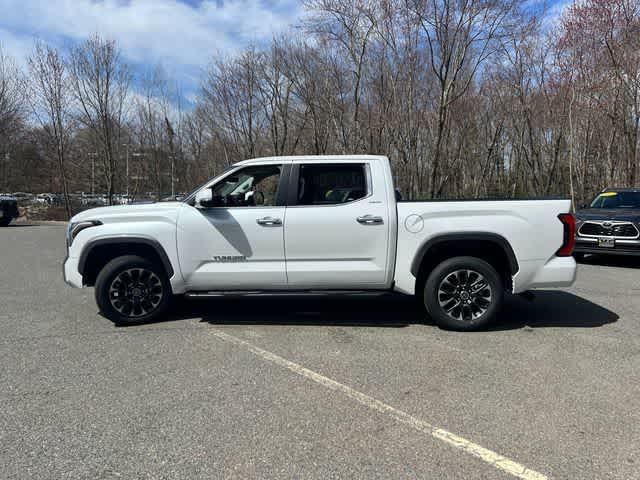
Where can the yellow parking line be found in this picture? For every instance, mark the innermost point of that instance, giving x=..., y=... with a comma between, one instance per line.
x=488, y=456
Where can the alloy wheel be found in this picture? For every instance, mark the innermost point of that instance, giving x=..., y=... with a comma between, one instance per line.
x=464, y=295
x=136, y=292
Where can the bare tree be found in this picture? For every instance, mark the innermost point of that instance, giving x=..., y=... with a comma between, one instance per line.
x=461, y=36
x=312, y=93
x=196, y=139
x=101, y=82
x=50, y=99
x=351, y=24
x=11, y=108
x=151, y=108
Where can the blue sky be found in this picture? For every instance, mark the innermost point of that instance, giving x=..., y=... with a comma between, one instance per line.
x=180, y=35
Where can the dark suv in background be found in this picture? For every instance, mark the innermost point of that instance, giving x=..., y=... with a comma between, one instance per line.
x=8, y=210
x=610, y=224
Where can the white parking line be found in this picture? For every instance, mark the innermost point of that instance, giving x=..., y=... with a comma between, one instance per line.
x=484, y=454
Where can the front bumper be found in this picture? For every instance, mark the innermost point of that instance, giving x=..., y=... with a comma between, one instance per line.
x=622, y=247
x=70, y=272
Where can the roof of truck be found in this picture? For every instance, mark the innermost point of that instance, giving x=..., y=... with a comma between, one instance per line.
x=311, y=158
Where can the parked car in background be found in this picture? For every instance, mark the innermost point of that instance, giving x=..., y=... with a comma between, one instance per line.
x=57, y=199
x=44, y=199
x=8, y=209
x=23, y=198
x=178, y=197
x=94, y=200
x=610, y=224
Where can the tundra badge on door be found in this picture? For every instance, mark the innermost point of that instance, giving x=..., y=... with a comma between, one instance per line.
x=229, y=258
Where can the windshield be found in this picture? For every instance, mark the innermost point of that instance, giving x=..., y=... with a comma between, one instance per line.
x=617, y=200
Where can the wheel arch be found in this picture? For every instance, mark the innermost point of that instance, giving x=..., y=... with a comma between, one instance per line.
x=97, y=253
x=491, y=247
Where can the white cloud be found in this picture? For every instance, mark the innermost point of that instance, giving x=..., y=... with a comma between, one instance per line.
x=148, y=31
x=555, y=12
x=18, y=47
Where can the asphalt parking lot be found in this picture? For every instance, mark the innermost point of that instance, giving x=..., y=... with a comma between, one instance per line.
x=315, y=388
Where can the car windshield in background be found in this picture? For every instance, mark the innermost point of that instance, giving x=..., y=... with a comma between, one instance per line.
x=617, y=200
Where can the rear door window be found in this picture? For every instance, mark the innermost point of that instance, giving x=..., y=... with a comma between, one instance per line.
x=331, y=184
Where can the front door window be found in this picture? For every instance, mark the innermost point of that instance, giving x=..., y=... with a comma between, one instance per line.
x=250, y=187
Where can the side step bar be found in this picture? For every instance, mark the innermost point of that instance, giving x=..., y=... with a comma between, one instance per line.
x=284, y=293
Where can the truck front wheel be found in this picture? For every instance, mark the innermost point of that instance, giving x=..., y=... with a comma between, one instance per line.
x=463, y=293
x=131, y=290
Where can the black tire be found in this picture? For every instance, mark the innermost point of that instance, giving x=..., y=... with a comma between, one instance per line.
x=578, y=256
x=446, y=301
x=140, y=303
x=5, y=221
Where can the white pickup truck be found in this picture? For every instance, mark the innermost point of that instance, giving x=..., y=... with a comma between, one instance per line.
x=322, y=225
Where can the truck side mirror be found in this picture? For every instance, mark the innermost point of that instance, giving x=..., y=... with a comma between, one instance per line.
x=204, y=198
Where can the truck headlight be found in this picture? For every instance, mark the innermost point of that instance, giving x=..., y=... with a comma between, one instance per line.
x=76, y=227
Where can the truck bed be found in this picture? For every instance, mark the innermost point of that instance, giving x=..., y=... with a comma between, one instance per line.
x=526, y=225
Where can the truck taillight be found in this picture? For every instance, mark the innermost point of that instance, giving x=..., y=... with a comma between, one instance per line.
x=569, y=241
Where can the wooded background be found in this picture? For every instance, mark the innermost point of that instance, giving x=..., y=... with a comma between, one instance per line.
x=468, y=98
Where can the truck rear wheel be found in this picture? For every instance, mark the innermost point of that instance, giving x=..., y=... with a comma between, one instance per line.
x=131, y=290
x=463, y=293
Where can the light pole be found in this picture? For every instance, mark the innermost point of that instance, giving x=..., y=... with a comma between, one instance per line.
x=93, y=170
x=135, y=155
x=6, y=159
x=173, y=191
x=127, y=168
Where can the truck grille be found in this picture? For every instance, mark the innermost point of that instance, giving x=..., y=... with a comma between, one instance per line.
x=623, y=229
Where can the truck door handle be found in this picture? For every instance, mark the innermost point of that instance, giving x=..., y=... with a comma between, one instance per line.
x=269, y=221
x=370, y=220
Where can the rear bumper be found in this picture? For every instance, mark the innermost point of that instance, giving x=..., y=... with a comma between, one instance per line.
x=557, y=272
x=623, y=247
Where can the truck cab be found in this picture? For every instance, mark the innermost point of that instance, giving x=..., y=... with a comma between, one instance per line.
x=333, y=217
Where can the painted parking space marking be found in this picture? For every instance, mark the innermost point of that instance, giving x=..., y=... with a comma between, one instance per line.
x=488, y=456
